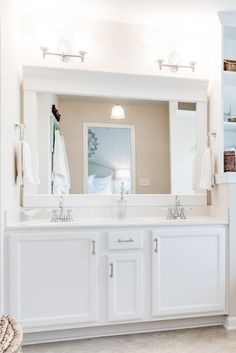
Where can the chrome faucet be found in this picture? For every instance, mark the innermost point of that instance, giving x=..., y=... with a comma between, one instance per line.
x=60, y=214
x=122, y=191
x=176, y=212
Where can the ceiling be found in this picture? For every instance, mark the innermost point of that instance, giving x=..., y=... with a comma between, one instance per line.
x=142, y=12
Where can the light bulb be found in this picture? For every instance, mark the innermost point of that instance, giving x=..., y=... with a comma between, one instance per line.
x=82, y=42
x=117, y=112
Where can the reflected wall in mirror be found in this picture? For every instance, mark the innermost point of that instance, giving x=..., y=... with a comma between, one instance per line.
x=109, y=158
x=153, y=154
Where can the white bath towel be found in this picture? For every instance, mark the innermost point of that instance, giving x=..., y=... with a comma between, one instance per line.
x=207, y=170
x=61, y=175
x=24, y=166
x=194, y=171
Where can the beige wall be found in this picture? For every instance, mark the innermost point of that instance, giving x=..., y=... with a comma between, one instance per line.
x=152, y=137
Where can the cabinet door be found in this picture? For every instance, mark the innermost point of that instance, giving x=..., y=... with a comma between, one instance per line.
x=53, y=278
x=188, y=273
x=125, y=286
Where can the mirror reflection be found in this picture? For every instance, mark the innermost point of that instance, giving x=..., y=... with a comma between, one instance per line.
x=108, y=166
x=84, y=145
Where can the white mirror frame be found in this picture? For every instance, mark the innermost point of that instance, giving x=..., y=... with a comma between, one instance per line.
x=86, y=127
x=122, y=86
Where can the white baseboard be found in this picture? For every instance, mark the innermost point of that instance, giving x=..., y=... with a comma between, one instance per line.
x=230, y=322
x=122, y=329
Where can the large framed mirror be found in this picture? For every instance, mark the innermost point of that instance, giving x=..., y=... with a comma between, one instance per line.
x=156, y=149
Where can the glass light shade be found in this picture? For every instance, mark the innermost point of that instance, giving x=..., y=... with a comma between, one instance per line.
x=117, y=112
x=122, y=174
x=45, y=38
x=175, y=58
x=82, y=42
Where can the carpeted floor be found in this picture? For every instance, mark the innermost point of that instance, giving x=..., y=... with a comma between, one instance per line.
x=201, y=340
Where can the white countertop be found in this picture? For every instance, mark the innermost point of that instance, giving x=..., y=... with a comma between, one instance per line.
x=116, y=222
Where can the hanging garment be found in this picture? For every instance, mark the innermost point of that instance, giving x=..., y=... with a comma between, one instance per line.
x=24, y=166
x=207, y=170
x=61, y=176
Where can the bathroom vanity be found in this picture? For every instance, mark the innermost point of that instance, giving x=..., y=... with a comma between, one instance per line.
x=105, y=276
x=101, y=275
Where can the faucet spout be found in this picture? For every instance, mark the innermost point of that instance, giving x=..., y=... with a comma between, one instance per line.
x=176, y=212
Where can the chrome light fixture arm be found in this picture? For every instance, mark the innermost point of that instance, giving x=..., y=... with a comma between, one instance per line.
x=176, y=67
x=64, y=56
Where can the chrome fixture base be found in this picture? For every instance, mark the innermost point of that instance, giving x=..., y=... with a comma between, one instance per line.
x=176, y=67
x=65, y=56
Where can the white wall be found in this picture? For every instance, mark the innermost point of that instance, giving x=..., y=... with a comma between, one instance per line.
x=116, y=47
x=9, y=114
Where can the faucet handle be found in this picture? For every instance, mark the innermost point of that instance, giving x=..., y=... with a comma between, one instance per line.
x=69, y=217
x=54, y=215
x=61, y=202
x=170, y=214
x=177, y=200
x=182, y=213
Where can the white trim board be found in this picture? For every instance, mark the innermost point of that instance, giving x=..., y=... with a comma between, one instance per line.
x=114, y=85
x=230, y=323
x=122, y=329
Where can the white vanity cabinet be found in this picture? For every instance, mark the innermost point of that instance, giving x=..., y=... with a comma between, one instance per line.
x=188, y=270
x=96, y=277
x=125, y=267
x=53, y=277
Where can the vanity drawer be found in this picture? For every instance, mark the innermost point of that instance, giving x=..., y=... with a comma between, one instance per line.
x=125, y=240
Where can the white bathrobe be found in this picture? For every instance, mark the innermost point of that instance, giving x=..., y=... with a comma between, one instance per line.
x=61, y=174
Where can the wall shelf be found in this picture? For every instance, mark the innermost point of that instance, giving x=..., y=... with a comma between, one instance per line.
x=229, y=126
x=230, y=78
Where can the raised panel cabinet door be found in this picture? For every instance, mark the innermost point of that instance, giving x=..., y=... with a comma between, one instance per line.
x=53, y=278
x=188, y=271
x=125, y=289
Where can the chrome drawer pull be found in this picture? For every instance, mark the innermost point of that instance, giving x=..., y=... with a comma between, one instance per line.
x=156, y=245
x=111, y=270
x=94, y=247
x=130, y=240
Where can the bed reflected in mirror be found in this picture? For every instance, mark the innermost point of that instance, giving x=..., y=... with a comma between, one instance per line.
x=109, y=158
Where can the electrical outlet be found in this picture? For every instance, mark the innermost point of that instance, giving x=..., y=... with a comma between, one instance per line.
x=144, y=182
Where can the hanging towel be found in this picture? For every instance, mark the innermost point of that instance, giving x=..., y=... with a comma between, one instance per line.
x=194, y=171
x=24, y=167
x=66, y=162
x=37, y=178
x=207, y=170
x=61, y=176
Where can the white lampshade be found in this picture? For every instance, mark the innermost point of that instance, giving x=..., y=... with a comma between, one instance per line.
x=82, y=42
x=122, y=174
x=117, y=112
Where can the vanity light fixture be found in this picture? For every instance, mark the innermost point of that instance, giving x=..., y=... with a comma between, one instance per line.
x=174, y=63
x=81, y=44
x=117, y=112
